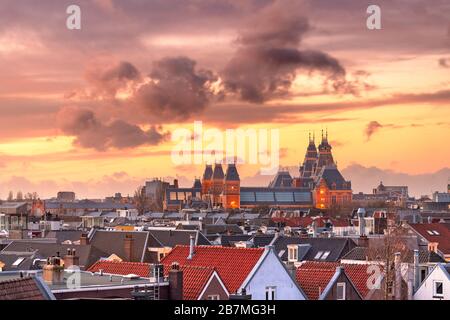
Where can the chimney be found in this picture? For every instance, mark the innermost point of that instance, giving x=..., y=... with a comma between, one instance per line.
x=84, y=240
x=430, y=219
x=175, y=183
x=361, y=222
x=191, y=246
x=128, y=247
x=175, y=282
x=363, y=241
x=416, y=270
x=71, y=258
x=432, y=246
x=53, y=271
x=398, y=277
x=242, y=296
x=314, y=228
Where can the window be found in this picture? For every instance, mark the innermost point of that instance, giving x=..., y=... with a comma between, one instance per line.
x=270, y=293
x=341, y=291
x=318, y=255
x=438, y=288
x=423, y=274
x=213, y=297
x=325, y=255
x=293, y=253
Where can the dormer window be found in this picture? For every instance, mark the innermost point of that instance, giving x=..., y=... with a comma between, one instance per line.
x=293, y=253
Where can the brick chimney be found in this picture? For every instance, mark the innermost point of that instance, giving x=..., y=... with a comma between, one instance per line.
x=71, y=258
x=433, y=247
x=53, y=271
x=128, y=247
x=363, y=241
x=84, y=240
x=175, y=282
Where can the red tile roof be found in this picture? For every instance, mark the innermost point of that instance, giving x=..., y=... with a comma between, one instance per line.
x=194, y=277
x=314, y=280
x=20, y=289
x=357, y=273
x=194, y=280
x=232, y=264
x=121, y=268
x=442, y=238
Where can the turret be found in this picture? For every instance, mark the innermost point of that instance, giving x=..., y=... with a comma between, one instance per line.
x=307, y=169
x=207, y=180
x=232, y=186
x=325, y=157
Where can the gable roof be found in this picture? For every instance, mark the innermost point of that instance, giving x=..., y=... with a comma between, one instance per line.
x=43, y=250
x=28, y=288
x=10, y=260
x=141, y=269
x=337, y=247
x=171, y=238
x=314, y=281
x=109, y=242
x=333, y=178
x=435, y=232
x=195, y=278
x=357, y=273
x=229, y=240
x=233, y=264
x=425, y=256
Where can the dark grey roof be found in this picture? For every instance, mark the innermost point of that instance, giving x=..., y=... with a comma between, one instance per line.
x=262, y=240
x=88, y=205
x=218, y=172
x=425, y=256
x=281, y=180
x=222, y=228
x=9, y=258
x=207, y=175
x=337, y=247
x=333, y=178
x=232, y=174
x=64, y=235
x=197, y=184
x=88, y=255
x=109, y=242
x=171, y=238
x=229, y=240
x=275, y=196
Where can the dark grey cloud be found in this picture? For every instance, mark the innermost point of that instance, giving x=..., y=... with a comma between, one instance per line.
x=268, y=59
x=444, y=62
x=177, y=89
x=107, y=80
x=91, y=132
x=371, y=128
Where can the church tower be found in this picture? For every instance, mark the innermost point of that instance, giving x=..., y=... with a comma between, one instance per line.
x=307, y=169
x=232, y=186
x=325, y=157
x=207, y=180
x=217, y=183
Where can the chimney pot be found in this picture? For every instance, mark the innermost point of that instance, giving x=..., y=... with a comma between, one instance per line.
x=191, y=246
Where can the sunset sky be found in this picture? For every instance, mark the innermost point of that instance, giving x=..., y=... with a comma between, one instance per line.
x=92, y=110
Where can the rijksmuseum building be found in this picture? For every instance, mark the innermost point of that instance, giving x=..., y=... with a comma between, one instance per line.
x=319, y=185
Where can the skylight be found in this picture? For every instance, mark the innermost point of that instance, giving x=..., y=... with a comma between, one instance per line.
x=18, y=261
x=318, y=255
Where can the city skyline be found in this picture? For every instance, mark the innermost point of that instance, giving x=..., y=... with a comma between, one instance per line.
x=92, y=110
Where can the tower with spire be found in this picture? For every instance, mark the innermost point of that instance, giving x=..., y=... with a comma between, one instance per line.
x=207, y=180
x=325, y=157
x=308, y=166
x=217, y=183
x=231, y=188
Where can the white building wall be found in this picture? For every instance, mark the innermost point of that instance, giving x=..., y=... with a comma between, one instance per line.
x=426, y=290
x=273, y=274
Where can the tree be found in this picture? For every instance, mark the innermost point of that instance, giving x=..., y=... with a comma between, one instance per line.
x=141, y=200
x=10, y=196
x=383, y=252
x=19, y=196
